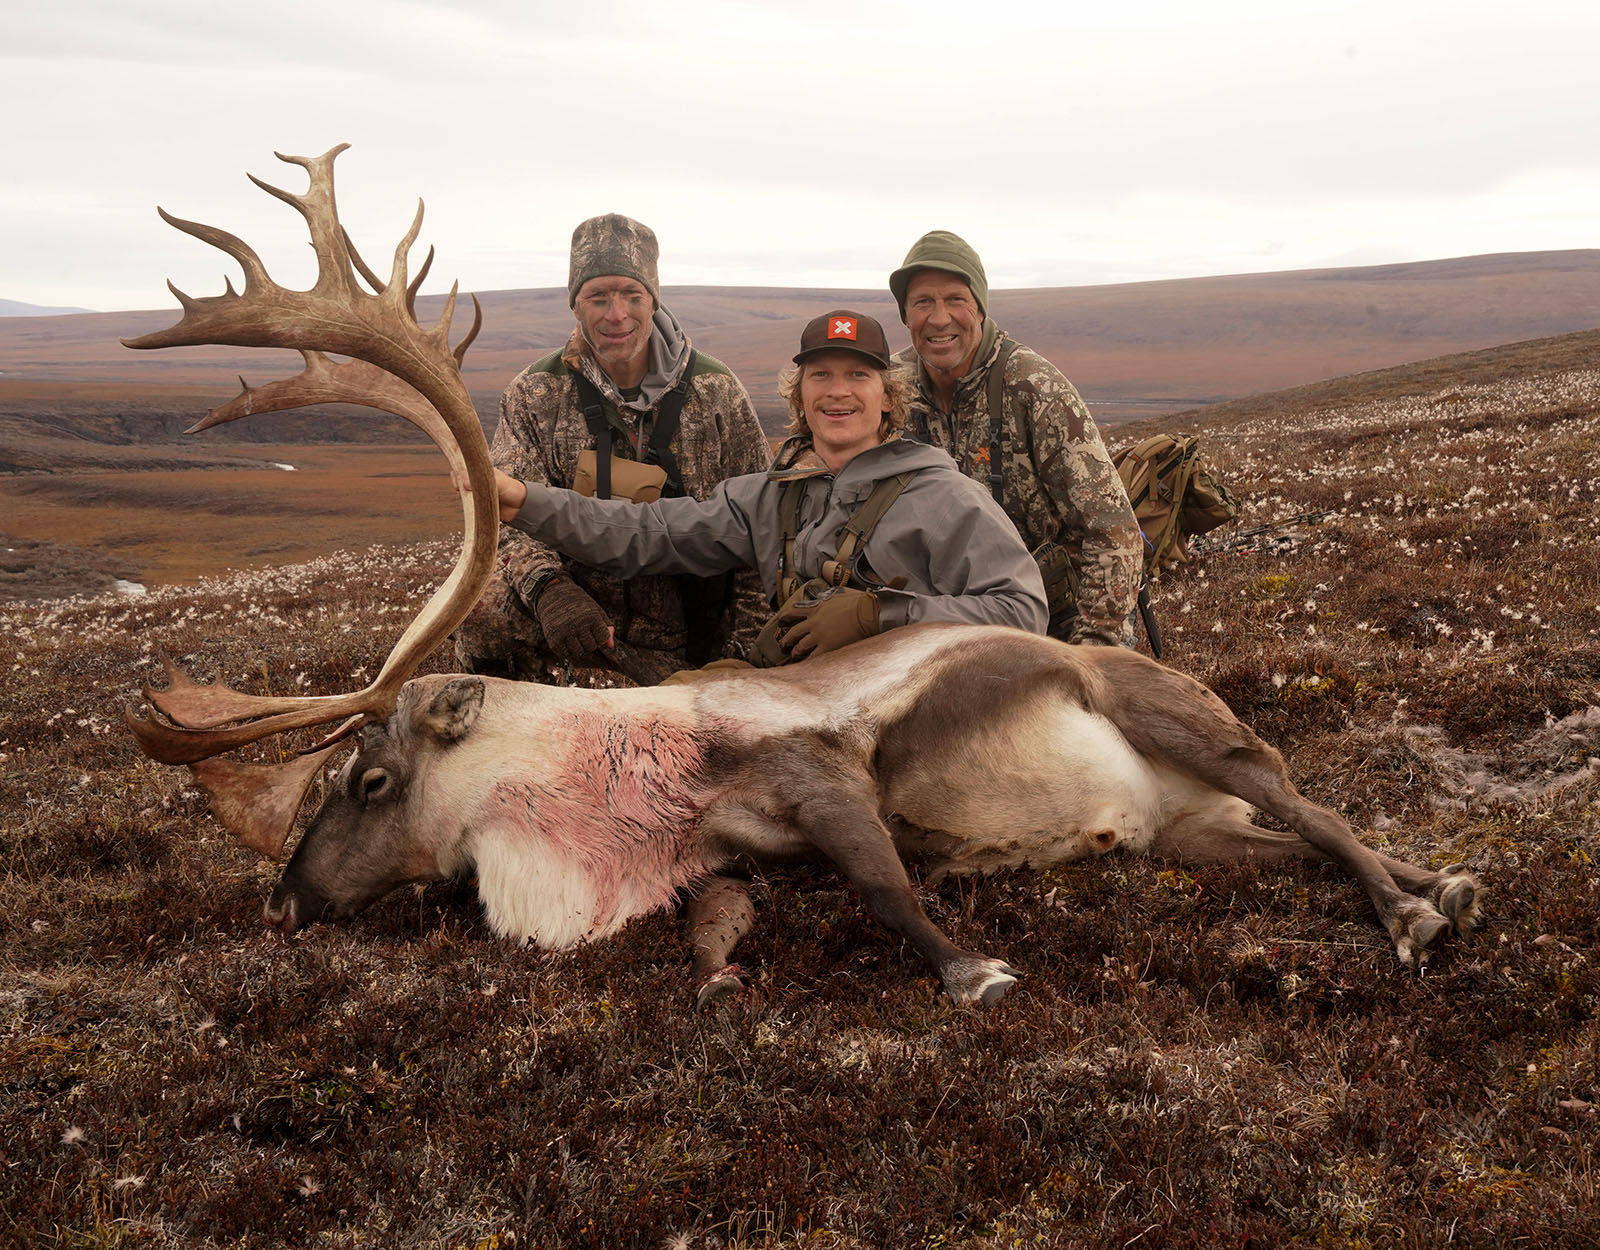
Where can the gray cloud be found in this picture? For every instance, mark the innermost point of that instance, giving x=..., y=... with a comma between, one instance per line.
x=1071, y=142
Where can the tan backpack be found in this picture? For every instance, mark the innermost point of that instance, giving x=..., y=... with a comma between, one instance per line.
x=1174, y=495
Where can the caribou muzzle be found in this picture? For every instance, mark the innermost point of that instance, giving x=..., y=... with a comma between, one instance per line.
x=294, y=905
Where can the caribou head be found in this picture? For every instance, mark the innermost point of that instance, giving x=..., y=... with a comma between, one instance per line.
x=394, y=364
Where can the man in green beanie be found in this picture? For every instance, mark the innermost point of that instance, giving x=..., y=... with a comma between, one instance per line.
x=1012, y=421
x=627, y=409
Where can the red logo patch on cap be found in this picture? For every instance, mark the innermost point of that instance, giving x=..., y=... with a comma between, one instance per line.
x=842, y=328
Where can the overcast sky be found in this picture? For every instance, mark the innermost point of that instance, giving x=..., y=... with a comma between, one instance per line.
x=795, y=144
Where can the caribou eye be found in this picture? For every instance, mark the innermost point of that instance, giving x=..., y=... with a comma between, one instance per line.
x=374, y=784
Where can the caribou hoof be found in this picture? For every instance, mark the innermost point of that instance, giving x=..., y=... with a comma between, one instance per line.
x=1457, y=897
x=1417, y=926
x=979, y=979
x=720, y=985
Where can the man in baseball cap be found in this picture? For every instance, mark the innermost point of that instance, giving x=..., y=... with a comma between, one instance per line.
x=854, y=530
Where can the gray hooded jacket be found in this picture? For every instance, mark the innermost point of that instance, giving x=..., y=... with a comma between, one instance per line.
x=960, y=556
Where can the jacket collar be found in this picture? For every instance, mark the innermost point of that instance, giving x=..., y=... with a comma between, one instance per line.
x=797, y=458
x=668, y=354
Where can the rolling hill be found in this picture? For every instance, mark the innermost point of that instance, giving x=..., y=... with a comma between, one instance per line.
x=82, y=513
x=1135, y=349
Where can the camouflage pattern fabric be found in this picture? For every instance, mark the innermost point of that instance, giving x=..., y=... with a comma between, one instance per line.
x=542, y=431
x=613, y=244
x=1059, y=484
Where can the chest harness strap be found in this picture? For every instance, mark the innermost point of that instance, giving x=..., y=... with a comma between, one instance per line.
x=598, y=415
x=997, y=422
x=853, y=536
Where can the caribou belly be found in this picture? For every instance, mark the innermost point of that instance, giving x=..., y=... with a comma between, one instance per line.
x=1052, y=785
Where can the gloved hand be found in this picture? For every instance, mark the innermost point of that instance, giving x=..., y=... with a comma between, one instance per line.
x=826, y=622
x=573, y=624
x=688, y=676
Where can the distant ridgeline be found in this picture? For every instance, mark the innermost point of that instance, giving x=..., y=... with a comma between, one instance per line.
x=145, y=422
x=13, y=308
x=1134, y=350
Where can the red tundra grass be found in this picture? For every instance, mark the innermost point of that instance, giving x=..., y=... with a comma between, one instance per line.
x=1226, y=1056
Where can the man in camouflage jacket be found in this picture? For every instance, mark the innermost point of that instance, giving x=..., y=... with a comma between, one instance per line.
x=1057, y=482
x=542, y=612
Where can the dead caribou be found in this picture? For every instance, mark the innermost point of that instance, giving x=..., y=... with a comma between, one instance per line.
x=955, y=749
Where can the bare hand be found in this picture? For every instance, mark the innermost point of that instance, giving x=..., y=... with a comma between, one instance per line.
x=512, y=494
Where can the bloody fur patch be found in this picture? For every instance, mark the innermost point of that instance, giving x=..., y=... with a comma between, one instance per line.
x=623, y=805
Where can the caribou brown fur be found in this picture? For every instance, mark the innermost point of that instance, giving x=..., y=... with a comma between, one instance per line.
x=955, y=749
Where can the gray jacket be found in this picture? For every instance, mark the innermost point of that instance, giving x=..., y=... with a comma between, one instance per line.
x=960, y=556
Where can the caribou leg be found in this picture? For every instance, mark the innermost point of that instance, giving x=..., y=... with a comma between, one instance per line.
x=719, y=913
x=1453, y=890
x=843, y=824
x=1255, y=772
x=1172, y=717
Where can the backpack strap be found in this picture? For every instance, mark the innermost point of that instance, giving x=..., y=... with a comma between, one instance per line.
x=794, y=492
x=659, y=449
x=997, y=421
x=665, y=428
x=593, y=404
x=853, y=536
x=858, y=529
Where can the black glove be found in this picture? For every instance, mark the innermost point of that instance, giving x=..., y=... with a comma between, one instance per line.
x=573, y=624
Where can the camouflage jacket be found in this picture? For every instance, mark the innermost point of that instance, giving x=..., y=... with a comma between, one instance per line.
x=1059, y=484
x=542, y=431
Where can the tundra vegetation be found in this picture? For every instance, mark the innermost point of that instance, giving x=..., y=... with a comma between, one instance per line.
x=1195, y=1057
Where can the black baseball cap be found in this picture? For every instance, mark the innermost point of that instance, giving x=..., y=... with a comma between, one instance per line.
x=843, y=330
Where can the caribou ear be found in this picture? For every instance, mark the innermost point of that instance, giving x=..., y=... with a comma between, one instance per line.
x=455, y=709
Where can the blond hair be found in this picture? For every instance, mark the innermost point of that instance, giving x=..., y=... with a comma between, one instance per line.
x=896, y=394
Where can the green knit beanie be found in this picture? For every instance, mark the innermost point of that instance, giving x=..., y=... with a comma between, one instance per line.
x=939, y=249
x=613, y=245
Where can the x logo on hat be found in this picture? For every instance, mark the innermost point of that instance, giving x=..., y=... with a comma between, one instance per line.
x=842, y=328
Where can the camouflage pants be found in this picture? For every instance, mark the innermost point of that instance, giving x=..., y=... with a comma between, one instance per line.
x=502, y=638
x=1062, y=622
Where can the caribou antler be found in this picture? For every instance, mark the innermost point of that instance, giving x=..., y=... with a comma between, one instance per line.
x=395, y=365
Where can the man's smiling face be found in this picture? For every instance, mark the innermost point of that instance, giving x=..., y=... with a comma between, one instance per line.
x=945, y=322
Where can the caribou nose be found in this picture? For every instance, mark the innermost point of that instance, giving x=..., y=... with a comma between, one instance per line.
x=294, y=906
x=280, y=915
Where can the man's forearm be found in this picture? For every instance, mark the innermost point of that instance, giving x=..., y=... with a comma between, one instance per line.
x=677, y=535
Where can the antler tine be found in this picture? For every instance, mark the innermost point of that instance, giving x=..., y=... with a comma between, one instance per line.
x=255, y=273
x=394, y=365
x=402, y=254
x=312, y=163
x=258, y=802
x=320, y=210
x=442, y=326
x=416, y=283
x=176, y=744
x=365, y=270
x=326, y=381
x=477, y=324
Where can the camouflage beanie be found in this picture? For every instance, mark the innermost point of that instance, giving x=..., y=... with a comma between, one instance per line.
x=613, y=245
x=939, y=249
